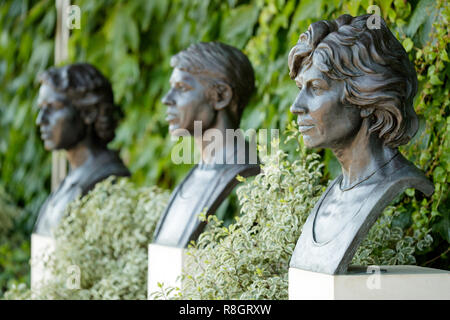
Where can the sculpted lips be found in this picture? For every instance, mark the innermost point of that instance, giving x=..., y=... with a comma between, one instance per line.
x=171, y=117
x=304, y=126
x=173, y=120
x=303, y=129
x=45, y=134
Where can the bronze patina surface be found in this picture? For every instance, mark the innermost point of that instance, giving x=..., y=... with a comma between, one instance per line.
x=77, y=114
x=210, y=85
x=356, y=89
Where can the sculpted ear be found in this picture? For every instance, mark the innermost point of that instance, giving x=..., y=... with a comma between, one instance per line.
x=223, y=96
x=89, y=116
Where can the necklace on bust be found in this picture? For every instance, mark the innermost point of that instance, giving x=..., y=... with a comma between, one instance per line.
x=367, y=177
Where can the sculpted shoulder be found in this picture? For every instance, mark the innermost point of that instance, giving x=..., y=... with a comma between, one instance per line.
x=403, y=174
x=108, y=164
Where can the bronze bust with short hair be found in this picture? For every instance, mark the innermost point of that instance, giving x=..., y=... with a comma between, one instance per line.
x=356, y=97
x=210, y=85
x=77, y=114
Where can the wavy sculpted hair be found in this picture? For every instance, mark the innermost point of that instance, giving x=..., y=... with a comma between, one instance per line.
x=87, y=88
x=374, y=66
x=217, y=62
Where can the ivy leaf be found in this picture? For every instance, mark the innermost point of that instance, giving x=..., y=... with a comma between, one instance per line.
x=402, y=221
x=434, y=80
x=408, y=44
x=419, y=16
x=443, y=226
x=439, y=175
x=385, y=6
x=237, y=26
x=443, y=55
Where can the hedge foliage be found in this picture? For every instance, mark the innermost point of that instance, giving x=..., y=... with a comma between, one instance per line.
x=105, y=236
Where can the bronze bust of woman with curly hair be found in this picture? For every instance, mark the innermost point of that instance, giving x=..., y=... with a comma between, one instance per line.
x=77, y=114
x=356, y=89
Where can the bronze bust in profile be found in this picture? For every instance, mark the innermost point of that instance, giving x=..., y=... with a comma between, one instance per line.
x=210, y=85
x=356, y=97
x=77, y=114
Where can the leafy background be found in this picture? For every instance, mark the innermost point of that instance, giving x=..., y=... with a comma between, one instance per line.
x=132, y=42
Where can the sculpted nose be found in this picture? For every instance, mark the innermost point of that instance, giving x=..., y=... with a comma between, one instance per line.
x=40, y=117
x=299, y=107
x=168, y=99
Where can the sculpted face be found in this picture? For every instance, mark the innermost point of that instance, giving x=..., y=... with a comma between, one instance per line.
x=187, y=101
x=323, y=120
x=60, y=124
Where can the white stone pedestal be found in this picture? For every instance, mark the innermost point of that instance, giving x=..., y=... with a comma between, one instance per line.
x=373, y=282
x=41, y=248
x=165, y=265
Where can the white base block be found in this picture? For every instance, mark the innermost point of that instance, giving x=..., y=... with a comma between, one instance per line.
x=165, y=265
x=374, y=282
x=41, y=248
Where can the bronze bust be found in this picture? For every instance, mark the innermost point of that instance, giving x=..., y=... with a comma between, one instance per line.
x=210, y=85
x=77, y=114
x=356, y=97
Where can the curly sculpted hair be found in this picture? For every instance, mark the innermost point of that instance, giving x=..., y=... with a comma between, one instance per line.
x=87, y=88
x=374, y=67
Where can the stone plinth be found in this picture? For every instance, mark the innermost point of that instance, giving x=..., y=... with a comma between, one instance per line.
x=41, y=248
x=165, y=266
x=373, y=282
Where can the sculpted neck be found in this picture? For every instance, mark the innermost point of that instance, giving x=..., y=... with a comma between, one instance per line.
x=214, y=146
x=361, y=156
x=83, y=151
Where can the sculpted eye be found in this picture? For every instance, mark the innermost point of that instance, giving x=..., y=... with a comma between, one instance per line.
x=57, y=105
x=316, y=89
x=182, y=87
x=47, y=107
